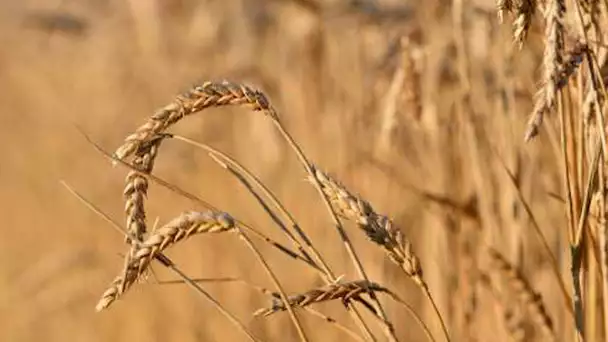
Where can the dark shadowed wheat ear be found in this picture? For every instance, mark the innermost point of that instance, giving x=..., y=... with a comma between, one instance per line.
x=184, y=226
x=520, y=287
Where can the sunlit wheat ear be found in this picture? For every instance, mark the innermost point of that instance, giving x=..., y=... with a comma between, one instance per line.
x=378, y=228
x=339, y=291
x=520, y=287
x=569, y=65
x=524, y=12
x=209, y=94
x=184, y=226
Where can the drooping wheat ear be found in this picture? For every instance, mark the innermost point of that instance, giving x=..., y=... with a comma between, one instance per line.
x=524, y=12
x=209, y=94
x=185, y=225
x=502, y=7
x=344, y=291
x=136, y=189
x=378, y=228
x=522, y=289
x=571, y=61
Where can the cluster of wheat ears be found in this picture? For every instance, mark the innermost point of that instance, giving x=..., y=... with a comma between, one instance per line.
x=569, y=50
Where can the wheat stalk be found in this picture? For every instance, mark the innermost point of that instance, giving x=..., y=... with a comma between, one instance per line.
x=184, y=226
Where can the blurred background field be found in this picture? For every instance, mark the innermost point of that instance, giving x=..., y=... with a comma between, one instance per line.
x=374, y=92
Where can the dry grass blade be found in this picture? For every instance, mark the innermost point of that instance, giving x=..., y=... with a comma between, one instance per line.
x=522, y=289
x=209, y=94
x=183, y=226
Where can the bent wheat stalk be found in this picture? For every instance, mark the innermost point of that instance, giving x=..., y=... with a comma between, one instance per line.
x=209, y=94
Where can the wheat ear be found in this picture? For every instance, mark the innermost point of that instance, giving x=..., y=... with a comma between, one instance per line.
x=571, y=61
x=344, y=291
x=524, y=12
x=185, y=225
x=380, y=230
x=209, y=94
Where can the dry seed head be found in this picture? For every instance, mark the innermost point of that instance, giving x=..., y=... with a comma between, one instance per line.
x=554, y=46
x=185, y=225
x=378, y=228
x=519, y=285
x=572, y=60
x=136, y=188
x=523, y=20
x=342, y=291
x=209, y=94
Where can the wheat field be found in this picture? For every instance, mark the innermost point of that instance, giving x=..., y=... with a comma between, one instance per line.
x=303, y=170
